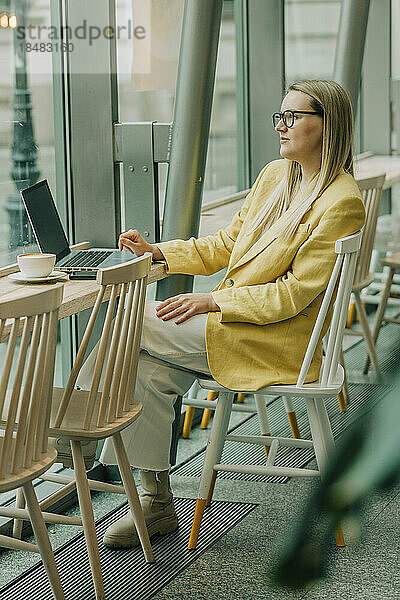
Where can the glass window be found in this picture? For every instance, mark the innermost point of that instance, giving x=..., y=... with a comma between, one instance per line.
x=395, y=97
x=147, y=75
x=395, y=76
x=148, y=64
x=221, y=177
x=310, y=38
x=27, y=142
x=27, y=148
x=26, y=119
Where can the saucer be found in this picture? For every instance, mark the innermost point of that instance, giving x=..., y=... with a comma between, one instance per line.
x=25, y=279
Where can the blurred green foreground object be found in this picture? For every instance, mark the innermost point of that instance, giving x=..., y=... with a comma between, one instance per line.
x=367, y=460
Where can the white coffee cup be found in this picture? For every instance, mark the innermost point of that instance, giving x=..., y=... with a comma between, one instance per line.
x=36, y=265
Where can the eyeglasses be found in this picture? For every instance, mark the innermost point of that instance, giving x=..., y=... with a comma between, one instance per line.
x=288, y=116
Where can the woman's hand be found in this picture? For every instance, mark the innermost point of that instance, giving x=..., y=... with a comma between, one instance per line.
x=185, y=306
x=132, y=240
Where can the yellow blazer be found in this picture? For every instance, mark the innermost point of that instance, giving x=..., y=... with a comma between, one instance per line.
x=273, y=289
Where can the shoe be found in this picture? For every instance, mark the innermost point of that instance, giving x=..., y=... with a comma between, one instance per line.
x=64, y=453
x=158, y=508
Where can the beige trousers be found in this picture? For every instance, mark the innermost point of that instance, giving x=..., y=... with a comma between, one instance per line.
x=170, y=358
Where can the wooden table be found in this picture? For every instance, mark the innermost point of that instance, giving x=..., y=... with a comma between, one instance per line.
x=78, y=295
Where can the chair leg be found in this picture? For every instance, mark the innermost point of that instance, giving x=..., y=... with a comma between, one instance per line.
x=43, y=542
x=189, y=414
x=18, y=523
x=205, y=419
x=350, y=315
x=342, y=401
x=213, y=455
x=380, y=314
x=196, y=523
x=263, y=420
x=207, y=412
x=187, y=424
x=324, y=443
x=211, y=489
x=132, y=495
x=322, y=440
x=218, y=455
x=344, y=393
x=292, y=417
x=86, y=508
x=367, y=332
x=339, y=537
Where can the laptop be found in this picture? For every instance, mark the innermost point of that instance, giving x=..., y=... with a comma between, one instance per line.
x=50, y=235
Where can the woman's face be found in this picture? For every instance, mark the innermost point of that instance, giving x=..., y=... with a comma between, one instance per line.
x=303, y=141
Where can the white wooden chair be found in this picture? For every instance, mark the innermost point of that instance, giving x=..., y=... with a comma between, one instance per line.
x=392, y=263
x=371, y=191
x=81, y=415
x=189, y=414
x=210, y=404
x=329, y=384
x=25, y=405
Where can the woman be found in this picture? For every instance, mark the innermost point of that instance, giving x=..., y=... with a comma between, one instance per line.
x=253, y=329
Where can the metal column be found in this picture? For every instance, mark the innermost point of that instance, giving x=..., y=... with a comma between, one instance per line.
x=190, y=131
x=350, y=46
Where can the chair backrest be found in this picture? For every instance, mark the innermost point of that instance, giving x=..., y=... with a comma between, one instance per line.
x=122, y=336
x=371, y=192
x=27, y=377
x=347, y=250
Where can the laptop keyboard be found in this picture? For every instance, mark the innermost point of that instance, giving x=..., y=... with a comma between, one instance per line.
x=88, y=258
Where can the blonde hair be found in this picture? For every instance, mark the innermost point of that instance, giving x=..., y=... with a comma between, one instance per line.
x=331, y=101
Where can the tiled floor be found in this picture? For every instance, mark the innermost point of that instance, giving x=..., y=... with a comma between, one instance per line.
x=238, y=566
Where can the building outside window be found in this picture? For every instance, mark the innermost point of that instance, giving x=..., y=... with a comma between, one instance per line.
x=27, y=150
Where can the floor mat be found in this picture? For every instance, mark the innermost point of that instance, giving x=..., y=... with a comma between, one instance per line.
x=126, y=574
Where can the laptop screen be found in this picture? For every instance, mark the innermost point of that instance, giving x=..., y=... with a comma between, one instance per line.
x=45, y=221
